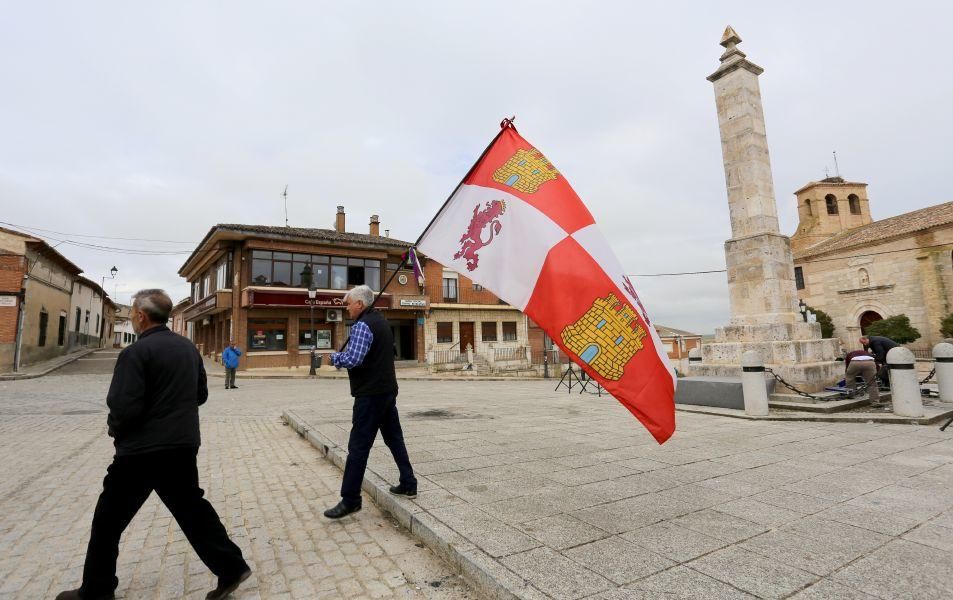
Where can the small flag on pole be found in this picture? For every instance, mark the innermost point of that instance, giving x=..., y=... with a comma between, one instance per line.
x=516, y=227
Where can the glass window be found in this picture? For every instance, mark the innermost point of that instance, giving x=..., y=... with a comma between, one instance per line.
x=372, y=277
x=302, y=258
x=799, y=278
x=449, y=289
x=338, y=260
x=320, y=275
x=338, y=277
x=261, y=271
x=222, y=276
x=355, y=275
x=322, y=334
x=509, y=331
x=265, y=254
x=282, y=273
x=489, y=331
x=282, y=256
x=444, y=332
x=319, y=259
x=301, y=274
x=355, y=262
x=267, y=334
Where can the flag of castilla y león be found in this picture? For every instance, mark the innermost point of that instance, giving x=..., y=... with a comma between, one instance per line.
x=516, y=227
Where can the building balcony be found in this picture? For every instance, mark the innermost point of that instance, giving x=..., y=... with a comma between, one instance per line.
x=218, y=301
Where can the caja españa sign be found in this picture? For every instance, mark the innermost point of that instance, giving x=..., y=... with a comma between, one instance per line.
x=291, y=299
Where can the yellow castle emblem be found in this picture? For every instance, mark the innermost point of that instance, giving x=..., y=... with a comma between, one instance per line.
x=606, y=337
x=526, y=171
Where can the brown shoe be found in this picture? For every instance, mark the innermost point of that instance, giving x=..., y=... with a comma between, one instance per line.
x=75, y=595
x=226, y=587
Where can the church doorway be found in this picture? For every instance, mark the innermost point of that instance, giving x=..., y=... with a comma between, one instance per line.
x=867, y=318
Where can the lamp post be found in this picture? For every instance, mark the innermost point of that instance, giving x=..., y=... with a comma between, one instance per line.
x=312, y=294
x=102, y=307
x=803, y=308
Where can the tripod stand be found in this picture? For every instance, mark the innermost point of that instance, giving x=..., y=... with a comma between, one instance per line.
x=567, y=379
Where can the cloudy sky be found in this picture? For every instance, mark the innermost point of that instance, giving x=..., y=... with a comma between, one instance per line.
x=156, y=121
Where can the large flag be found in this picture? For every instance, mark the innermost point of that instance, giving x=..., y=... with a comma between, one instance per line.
x=516, y=227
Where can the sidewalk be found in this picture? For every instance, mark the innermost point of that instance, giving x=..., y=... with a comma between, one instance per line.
x=535, y=494
x=48, y=366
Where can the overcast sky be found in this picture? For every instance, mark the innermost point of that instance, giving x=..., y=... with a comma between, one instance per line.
x=158, y=120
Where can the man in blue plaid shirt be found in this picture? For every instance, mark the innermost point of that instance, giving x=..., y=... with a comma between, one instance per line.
x=368, y=356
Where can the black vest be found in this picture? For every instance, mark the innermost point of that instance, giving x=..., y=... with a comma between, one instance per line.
x=376, y=374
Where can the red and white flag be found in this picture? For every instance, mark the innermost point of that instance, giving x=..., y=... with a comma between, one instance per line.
x=516, y=227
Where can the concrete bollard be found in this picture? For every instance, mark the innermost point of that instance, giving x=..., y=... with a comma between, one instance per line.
x=904, y=387
x=943, y=355
x=752, y=384
x=694, y=356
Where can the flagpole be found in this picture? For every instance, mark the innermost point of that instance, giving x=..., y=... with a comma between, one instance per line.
x=504, y=125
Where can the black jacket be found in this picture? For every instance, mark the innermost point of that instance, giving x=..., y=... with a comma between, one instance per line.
x=375, y=375
x=879, y=346
x=157, y=387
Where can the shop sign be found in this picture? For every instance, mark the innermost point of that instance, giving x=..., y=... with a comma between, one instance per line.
x=413, y=303
x=262, y=298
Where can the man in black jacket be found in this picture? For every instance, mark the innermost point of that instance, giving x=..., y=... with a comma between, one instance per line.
x=368, y=356
x=157, y=387
x=879, y=346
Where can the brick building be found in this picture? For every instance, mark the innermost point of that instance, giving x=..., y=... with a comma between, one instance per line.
x=36, y=285
x=250, y=284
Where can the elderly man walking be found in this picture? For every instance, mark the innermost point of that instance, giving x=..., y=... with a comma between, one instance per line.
x=157, y=387
x=368, y=356
x=230, y=360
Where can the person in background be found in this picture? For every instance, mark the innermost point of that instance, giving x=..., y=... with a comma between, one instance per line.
x=230, y=361
x=879, y=346
x=862, y=363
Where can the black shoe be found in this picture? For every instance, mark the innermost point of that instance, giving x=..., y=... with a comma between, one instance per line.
x=234, y=387
x=74, y=595
x=226, y=587
x=402, y=490
x=341, y=510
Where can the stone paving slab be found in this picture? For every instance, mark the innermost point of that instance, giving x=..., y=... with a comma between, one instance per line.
x=565, y=497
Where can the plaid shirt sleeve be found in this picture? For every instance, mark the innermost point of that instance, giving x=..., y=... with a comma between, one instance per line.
x=357, y=347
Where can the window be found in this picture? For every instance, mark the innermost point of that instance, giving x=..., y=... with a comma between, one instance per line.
x=807, y=203
x=195, y=295
x=260, y=268
x=338, y=273
x=489, y=331
x=281, y=273
x=79, y=315
x=831, y=204
x=477, y=287
x=208, y=284
x=799, y=278
x=97, y=324
x=449, y=289
x=221, y=274
x=509, y=331
x=267, y=334
x=61, y=334
x=44, y=318
x=322, y=334
x=86, y=322
x=854, y=202
x=444, y=332
x=325, y=272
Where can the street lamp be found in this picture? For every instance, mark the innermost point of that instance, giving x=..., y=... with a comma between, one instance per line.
x=102, y=304
x=312, y=294
x=803, y=308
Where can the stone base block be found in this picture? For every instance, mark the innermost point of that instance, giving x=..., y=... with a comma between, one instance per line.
x=723, y=392
x=808, y=377
x=778, y=332
x=776, y=352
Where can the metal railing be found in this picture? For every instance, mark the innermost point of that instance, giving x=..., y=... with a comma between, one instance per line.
x=504, y=354
x=443, y=357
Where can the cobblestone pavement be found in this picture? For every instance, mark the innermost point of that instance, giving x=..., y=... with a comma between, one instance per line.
x=268, y=485
x=568, y=496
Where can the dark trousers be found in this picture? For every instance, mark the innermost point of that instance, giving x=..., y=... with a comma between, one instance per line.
x=370, y=414
x=129, y=481
x=229, y=377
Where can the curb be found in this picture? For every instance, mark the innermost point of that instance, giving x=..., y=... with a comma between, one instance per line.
x=239, y=375
x=487, y=576
x=877, y=418
x=79, y=355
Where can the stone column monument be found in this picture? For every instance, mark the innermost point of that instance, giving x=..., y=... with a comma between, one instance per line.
x=763, y=298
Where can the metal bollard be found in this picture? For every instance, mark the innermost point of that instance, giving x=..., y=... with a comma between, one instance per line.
x=904, y=387
x=943, y=355
x=752, y=384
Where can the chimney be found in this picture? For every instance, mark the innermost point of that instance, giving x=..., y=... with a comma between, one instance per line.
x=375, y=226
x=387, y=233
x=339, y=220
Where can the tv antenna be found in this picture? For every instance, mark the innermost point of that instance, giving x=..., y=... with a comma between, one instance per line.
x=285, y=194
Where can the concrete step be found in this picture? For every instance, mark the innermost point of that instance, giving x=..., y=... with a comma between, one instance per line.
x=792, y=402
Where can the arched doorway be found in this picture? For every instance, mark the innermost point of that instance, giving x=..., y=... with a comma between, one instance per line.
x=867, y=318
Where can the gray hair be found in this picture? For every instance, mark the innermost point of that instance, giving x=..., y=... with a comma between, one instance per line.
x=361, y=293
x=156, y=304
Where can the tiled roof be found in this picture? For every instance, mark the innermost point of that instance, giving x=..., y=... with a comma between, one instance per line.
x=664, y=331
x=907, y=223
x=327, y=235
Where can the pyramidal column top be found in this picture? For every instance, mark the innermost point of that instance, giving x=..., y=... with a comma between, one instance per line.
x=733, y=58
